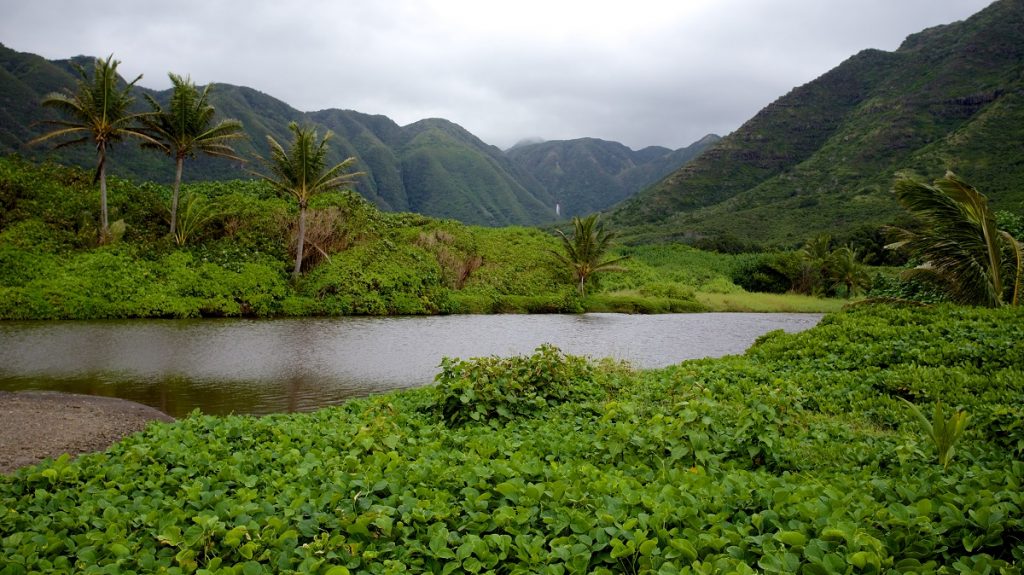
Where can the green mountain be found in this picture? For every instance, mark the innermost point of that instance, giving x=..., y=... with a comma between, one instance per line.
x=433, y=166
x=822, y=158
x=587, y=175
x=436, y=167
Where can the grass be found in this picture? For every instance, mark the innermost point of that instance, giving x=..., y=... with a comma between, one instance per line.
x=769, y=302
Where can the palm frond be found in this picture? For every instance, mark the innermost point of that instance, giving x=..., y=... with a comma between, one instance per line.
x=958, y=239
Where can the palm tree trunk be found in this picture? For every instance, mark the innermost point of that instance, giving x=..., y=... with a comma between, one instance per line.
x=174, y=194
x=300, y=241
x=104, y=220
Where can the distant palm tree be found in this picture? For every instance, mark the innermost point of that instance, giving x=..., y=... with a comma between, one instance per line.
x=98, y=112
x=186, y=128
x=814, y=258
x=301, y=172
x=844, y=270
x=959, y=244
x=582, y=253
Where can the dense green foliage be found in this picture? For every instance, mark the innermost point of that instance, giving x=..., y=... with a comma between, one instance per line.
x=236, y=248
x=822, y=158
x=818, y=268
x=799, y=457
x=495, y=390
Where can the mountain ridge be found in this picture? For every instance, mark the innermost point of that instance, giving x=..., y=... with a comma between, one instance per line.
x=432, y=166
x=821, y=158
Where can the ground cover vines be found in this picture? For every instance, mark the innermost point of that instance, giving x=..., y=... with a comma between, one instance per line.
x=798, y=457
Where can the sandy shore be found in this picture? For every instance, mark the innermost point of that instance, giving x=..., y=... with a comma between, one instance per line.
x=35, y=425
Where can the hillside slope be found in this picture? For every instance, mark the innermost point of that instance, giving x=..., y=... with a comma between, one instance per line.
x=822, y=158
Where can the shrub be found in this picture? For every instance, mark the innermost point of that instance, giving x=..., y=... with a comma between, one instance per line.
x=35, y=236
x=471, y=303
x=378, y=278
x=629, y=303
x=886, y=287
x=495, y=389
x=769, y=273
x=19, y=267
x=673, y=290
x=18, y=303
x=547, y=303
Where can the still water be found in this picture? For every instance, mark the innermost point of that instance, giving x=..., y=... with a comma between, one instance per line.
x=281, y=365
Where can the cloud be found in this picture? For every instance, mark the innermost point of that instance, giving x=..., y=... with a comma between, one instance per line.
x=643, y=73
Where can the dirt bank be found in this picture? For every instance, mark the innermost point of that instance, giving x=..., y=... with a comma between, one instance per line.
x=35, y=425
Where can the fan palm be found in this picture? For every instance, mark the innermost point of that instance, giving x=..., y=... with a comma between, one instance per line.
x=582, y=253
x=302, y=173
x=959, y=244
x=98, y=112
x=187, y=127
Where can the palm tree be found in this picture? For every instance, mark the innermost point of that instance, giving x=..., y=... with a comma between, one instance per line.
x=582, y=252
x=959, y=244
x=814, y=259
x=186, y=128
x=844, y=269
x=301, y=172
x=98, y=112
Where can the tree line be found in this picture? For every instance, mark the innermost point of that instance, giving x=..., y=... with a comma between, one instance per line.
x=97, y=111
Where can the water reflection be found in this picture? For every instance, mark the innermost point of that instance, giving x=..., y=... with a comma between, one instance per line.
x=268, y=366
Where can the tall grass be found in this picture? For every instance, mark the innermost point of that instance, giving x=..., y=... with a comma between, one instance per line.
x=768, y=302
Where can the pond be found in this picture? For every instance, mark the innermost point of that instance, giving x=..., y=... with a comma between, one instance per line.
x=285, y=365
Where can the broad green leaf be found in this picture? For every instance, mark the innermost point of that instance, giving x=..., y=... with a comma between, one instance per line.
x=688, y=551
x=792, y=538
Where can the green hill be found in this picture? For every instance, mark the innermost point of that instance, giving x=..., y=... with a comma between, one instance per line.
x=445, y=165
x=433, y=166
x=822, y=157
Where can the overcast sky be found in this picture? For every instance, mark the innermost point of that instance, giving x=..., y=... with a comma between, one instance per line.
x=641, y=72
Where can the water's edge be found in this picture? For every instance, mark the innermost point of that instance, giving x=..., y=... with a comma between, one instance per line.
x=282, y=365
